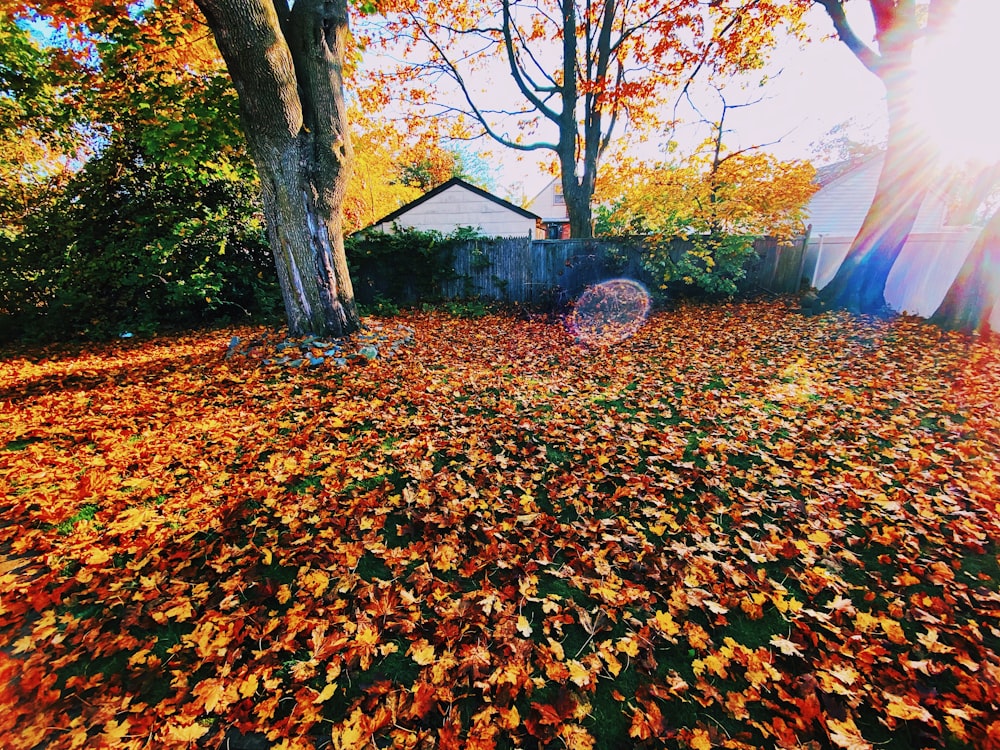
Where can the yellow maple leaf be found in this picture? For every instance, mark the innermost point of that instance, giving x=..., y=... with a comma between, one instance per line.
x=249, y=686
x=350, y=736
x=787, y=647
x=628, y=646
x=115, y=732
x=185, y=733
x=180, y=612
x=445, y=557
x=421, y=652
x=908, y=710
x=23, y=644
x=96, y=556
x=576, y=737
x=213, y=693
x=713, y=664
x=664, y=623
x=326, y=693
x=700, y=740
x=845, y=734
x=820, y=537
x=614, y=666
x=578, y=673
x=510, y=718
x=864, y=622
x=893, y=630
x=557, y=649
x=314, y=581
x=786, y=605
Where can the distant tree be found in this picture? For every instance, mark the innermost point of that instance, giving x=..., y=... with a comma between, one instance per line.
x=842, y=143
x=717, y=200
x=37, y=119
x=286, y=62
x=426, y=171
x=975, y=192
x=135, y=243
x=375, y=188
x=578, y=72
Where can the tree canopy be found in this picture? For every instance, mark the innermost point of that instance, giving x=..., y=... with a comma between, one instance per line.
x=562, y=76
x=147, y=90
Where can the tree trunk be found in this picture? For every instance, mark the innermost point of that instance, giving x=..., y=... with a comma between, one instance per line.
x=286, y=65
x=578, y=206
x=859, y=285
x=976, y=290
x=575, y=191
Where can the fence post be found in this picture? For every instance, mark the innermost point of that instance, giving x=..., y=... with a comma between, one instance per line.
x=802, y=259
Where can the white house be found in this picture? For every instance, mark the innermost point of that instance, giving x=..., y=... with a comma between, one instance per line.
x=550, y=204
x=930, y=259
x=456, y=204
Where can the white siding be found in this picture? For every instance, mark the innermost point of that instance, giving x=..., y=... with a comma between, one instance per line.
x=458, y=207
x=919, y=279
x=839, y=208
x=548, y=206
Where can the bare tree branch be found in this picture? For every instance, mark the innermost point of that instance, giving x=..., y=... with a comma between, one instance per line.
x=515, y=69
x=868, y=57
x=474, y=111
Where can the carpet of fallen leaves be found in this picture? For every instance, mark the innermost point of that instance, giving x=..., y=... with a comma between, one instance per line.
x=741, y=528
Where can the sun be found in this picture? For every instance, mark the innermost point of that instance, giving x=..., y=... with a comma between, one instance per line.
x=955, y=99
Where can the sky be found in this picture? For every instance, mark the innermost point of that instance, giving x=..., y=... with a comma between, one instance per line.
x=818, y=85
x=812, y=87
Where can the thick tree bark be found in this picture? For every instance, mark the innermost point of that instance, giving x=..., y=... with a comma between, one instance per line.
x=579, y=197
x=286, y=64
x=976, y=290
x=579, y=194
x=859, y=285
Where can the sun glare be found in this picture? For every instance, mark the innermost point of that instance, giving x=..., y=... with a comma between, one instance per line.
x=956, y=101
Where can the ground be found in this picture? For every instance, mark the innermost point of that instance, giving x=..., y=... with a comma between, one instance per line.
x=740, y=527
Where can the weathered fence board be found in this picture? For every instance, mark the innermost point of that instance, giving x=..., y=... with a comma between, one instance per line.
x=777, y=268
x=535, y=272
x=492, y=269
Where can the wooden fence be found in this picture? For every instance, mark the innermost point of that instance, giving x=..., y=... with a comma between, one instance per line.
x=539, y=272
x=777, y=268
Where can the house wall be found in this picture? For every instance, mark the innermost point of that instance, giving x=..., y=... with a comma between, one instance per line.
x=928, y=263
x=839, y=208
x=458, y=207
x=925, y=268
x=546, y=205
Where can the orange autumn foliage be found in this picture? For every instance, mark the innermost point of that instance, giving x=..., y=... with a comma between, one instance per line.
x=738, y=515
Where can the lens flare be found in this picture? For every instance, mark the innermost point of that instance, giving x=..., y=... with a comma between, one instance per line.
x=610, y=312
x=954, y=99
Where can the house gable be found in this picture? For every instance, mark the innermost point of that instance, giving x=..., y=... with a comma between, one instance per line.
x=456, y=203
x=550, y=203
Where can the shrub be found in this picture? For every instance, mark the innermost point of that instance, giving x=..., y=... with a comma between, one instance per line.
x=404, y=266
x=132, y=244
x=708, y=265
